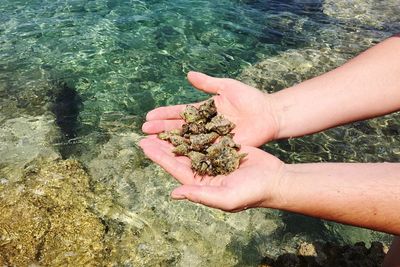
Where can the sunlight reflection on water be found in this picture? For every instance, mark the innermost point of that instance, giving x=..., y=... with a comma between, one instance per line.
x=123, y=58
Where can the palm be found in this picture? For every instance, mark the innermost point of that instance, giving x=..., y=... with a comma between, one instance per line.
x=246, y=106
x=243, y=188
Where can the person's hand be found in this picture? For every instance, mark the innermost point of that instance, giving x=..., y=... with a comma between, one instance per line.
x=254, y=184
x=249, y=108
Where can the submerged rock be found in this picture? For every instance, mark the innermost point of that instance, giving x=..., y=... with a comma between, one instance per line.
x=291, y=67
x=364, y=12
x=22, y=94
x=46, y=218
x=23, y=140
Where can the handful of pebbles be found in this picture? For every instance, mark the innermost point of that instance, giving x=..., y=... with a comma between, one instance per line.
x=206, y=139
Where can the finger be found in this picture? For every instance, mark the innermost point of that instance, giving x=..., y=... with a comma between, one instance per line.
x=155, y=142
x=211, y=196
x=205, y=83
x=165, y=113
x=166, y=147
x=160, y=154
x=158, y=126
x=168, y=112
x=163, y=145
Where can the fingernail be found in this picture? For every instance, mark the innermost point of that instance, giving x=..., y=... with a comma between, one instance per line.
x=191, y=73
x=150, y=115
x=178, y=197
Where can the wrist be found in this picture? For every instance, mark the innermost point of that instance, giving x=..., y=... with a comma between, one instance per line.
x=277, y=190
x=277, y=111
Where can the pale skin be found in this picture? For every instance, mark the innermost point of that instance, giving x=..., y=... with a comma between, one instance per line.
x=365, y=195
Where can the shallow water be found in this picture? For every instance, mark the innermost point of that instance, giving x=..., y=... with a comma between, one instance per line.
x=77, y=77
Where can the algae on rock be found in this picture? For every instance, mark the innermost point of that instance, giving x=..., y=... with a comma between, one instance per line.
x=46, y=218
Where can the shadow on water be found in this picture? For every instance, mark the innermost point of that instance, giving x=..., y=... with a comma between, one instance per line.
x=315, y=246
x=248, y=254
x=67, y=104
x=294, y=228
x=66, y=107
x=77, y=139
x=329, y=254
x=296, y=224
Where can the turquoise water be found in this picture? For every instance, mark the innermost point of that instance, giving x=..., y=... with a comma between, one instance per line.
x=77, y=78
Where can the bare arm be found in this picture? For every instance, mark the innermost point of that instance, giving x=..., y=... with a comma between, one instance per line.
x=360, y=194
x=367, y=86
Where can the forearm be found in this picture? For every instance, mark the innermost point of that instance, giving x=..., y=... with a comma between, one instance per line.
x=365, y=87
x=360, y=194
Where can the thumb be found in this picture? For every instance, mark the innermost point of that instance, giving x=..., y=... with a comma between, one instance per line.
x=204, y=82
x=210, y=196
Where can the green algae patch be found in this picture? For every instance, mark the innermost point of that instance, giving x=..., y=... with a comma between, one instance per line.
x=45, y=218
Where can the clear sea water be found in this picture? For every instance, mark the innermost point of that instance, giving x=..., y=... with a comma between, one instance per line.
x=85, y=72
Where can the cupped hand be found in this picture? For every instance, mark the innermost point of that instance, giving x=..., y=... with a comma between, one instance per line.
x=249, y=108
x=254, y=184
